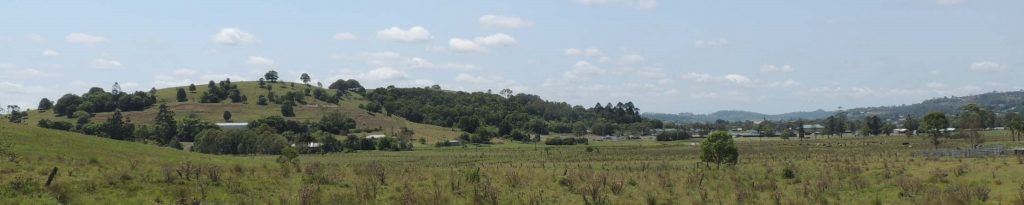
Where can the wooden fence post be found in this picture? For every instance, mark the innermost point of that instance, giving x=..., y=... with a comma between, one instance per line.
x=53, y=174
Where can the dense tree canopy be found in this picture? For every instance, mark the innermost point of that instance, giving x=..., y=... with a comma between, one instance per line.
x=97, y=100
x=471, y=111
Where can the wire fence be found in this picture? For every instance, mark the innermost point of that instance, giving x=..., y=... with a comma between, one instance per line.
x=970, y=152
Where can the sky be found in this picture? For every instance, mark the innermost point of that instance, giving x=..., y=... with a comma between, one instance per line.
x=770, y=56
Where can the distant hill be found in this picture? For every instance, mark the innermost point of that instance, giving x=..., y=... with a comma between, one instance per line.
x=250, y=110
x=999, y=102
x=736, y=115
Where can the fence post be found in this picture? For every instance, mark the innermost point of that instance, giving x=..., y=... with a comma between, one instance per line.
x=53, y=174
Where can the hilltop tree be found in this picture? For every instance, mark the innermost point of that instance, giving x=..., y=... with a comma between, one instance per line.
x=16, y=115
x=182, y=97
x=287, y=109
x=67, y=105
x=192, y=88
x=271, y=76
x=719, y=148
x=934, y=124
x=227, y=116
x=304, y=78
x=45, y=104
x=262, y=83
x=166, y=128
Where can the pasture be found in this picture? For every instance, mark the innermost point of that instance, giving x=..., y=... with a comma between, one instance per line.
x=849, y=170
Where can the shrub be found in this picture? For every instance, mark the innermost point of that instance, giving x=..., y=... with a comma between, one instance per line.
x=719, y=149
x=788, y=173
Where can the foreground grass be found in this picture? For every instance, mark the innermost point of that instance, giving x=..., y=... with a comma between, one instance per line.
x=825, y=171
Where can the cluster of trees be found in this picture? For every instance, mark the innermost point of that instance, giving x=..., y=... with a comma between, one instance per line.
x=269, y=135
x=672, y=136
x=98, y=100
x=348, y=86
x=481, y=113
x=15, y=114
x=218, y=92
x=238, y=141
x=566, y=141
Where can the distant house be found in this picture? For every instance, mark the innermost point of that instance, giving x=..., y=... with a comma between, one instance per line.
x=748, y=133
x=814, y=128
x=455, y=142
x=375, y=136
x=900, y=131
x=233, y=125
x=311, y=145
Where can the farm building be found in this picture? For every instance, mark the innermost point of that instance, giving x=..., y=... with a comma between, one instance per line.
x=233, y=125
x=375, y=136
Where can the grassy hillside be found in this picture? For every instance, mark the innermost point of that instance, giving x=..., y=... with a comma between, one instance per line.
x=245, y=112
x=869, y=170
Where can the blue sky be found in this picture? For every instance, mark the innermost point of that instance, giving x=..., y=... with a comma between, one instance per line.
x=665, y=56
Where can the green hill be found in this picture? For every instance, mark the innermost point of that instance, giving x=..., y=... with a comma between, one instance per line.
x=249, y=110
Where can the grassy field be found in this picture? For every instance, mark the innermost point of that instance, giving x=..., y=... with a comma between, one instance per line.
x=861, y=170
x=245, y=112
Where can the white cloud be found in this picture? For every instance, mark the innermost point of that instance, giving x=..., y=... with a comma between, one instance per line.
x=638, y=4
x=496, y=40
x=36, y=38
x=697, y=77
x=50, y=53
x=711, y=43
x=344, y=36
x=233, y=37
x=105, y=63
x=588, y=52
x=950, y=2
x=481, y=81
x=417, y=62
x=465, y=46
x=785, y=84
x=480, y=44
x=15, y=72
x=414, y=34
x=81, y=38
x=935, y=85
x=632, y=59
x=736, y=78
x=987, y=66
x=185, y=72
x=386, y=74
x=220, y=77
x=259, y=61
x=583, y=69
x=396, y=60
x=496, y=21
x=467, y=78
x=768, y=68
x=14, y=93
x=163, y=81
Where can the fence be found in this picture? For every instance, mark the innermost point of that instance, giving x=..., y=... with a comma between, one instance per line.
x=971, y=152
